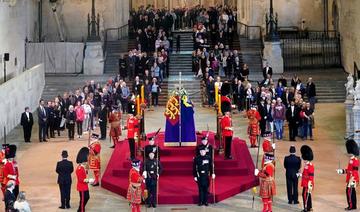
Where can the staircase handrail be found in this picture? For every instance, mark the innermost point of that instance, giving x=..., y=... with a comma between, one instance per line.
x=122, y=32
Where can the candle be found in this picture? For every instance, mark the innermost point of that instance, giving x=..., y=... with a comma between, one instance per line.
x=137, y=105
x=219, y=100
x=216, y=93
x=142, y=94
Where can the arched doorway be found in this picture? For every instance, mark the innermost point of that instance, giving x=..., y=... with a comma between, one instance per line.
x=335, y=16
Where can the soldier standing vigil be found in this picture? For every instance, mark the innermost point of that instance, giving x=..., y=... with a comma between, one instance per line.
x=152, y=170
x=115, y=130
x=352, y=174
x=307, y=181
x=227, y=130
x=94, y=158
x=202, y=169
x=205, y=145
x=151, y=147
x=133, y=128
x=134, y=190
x=82, y=180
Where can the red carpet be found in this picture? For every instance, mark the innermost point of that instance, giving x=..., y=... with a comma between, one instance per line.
x=177, y=185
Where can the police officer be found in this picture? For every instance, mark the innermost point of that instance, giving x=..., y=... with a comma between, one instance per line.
x=352, y=174
x=202, y=169
x=151, y=147
x=208, y=147
x=152, y=170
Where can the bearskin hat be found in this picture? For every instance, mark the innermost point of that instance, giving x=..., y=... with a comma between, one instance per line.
x=225, y=89
x=352, y=147
x=135, y=163
x=306, y=153
x=10, y=151
x=225, y=107
x=82, y=155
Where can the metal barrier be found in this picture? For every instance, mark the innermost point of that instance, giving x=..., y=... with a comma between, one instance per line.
x=112, y=34
x=250, y=32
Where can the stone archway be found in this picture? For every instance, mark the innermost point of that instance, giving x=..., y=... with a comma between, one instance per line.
x=335, y=16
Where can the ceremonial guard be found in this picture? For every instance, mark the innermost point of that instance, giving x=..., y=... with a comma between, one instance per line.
x=202, y=169
x=307, y=181
x=352, y=174
x=225, y=99
x=94, y=158
x=152, y=170
x=11, y=171
x=82, y=180
x=115, y=130
x=268, y=147
x=134, y=192
x=205, y=145
x=151, y=147
x=253, y=127
x=226, y=129
x=2, y=165
x=267, y=182
x=132, y=126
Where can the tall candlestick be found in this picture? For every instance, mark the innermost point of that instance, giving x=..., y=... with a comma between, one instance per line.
x=137, y=105
x=142, y=94
x=219, y=103
x=216, y=94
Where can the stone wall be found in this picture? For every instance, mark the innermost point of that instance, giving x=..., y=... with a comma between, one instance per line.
x=348, y=22
x=73, y=18
x=24, y=90
x=17, y=23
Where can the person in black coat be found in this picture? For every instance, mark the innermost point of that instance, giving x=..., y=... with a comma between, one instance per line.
x=267, y=70
x=9, y=197
x=292, y=116
x=103, y=121
x=42, y=120
x=292, y=164
x=263, y=113
x=64, y=168
x=27, y=122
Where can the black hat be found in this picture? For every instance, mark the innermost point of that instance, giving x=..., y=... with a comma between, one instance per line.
x=11, y=151
x=94, y=136
x=135, y=163
x=5, y=146
x=292, y=149
x=201, y=147
x=82, y=155
x=269, y=157
x=225, y=107
x=64, y=154
x=306, y=153
x=225, y=89
x=204, y=138
x=352, y=147
x=115, y=107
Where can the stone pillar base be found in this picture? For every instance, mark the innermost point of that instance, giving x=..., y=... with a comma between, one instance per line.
x=356, y=115
x=94, y=59
x=273, y=55
x=349, y=104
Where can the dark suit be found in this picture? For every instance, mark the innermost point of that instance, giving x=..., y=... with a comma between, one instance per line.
x=42, y=121
x=293, y=118
x=102, y=122
x=263, y=114
x=292, y=164
x=27, y=123
x=9, y=199
x=64, y=169
x=268, y=71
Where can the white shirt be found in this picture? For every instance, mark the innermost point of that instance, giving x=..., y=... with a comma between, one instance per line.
x=22, y=206
x=27, y=115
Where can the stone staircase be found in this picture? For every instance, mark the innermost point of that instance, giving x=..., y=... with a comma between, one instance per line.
x=250, y=51
x=113, y=51
x=186, y=40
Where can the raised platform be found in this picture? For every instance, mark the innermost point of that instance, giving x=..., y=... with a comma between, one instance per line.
x=177, y=185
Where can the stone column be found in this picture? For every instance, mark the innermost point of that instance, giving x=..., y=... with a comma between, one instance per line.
x=94, y=59
x=349, y=104
x=356, y=116
x=273, y=55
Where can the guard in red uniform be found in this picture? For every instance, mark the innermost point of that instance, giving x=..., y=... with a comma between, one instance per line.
x=11, y=169
x=82, y=180
x=94, y=158
x=227, y=131
x=307, y=181
x=253, y=132
x=268, y=147
x=2, y=164
x=132, y=126
x=352, y=174
x=267, y=182
x=134, y=190
x=115, y=129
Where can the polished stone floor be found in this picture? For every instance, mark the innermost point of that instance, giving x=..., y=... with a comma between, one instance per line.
x=37, y=163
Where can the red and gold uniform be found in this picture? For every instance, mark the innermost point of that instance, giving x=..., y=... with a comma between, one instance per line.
x=267, y=185
x=115, y=129
x=2, y=158
x=94, y=160
x=227, y=133
x=352, y=179
x=267, y=149
x=253, y=114
x=307, y=182
x=132, y=125
x=134, y=190
x=82, y=187
x=253, y=131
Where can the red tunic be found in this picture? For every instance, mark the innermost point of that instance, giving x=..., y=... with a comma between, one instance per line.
x=2, y=157
x=267, y=181
x=8, y=170
x=16, y=170
x=114, y=120
x=352, y=170
x=132, y=126
x=81, y=176
x=253, y=128
x=134, y=189
x=224, y=123
x=253, y=114
x=307, y=175
x=94, y=155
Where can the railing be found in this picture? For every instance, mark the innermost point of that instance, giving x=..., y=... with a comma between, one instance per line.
x=112, y=34
x=306, y=34
x=250, y=32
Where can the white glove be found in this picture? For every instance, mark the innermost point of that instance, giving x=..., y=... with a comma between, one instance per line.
x=213, y=176
x=91, y=180
x=12, y=177
x=273, y=145
x=4, y=160
x=144, y=174
x=256, y=172
x=340, y=171
x=298, y=175
x=310, y=186
x=195, y=178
